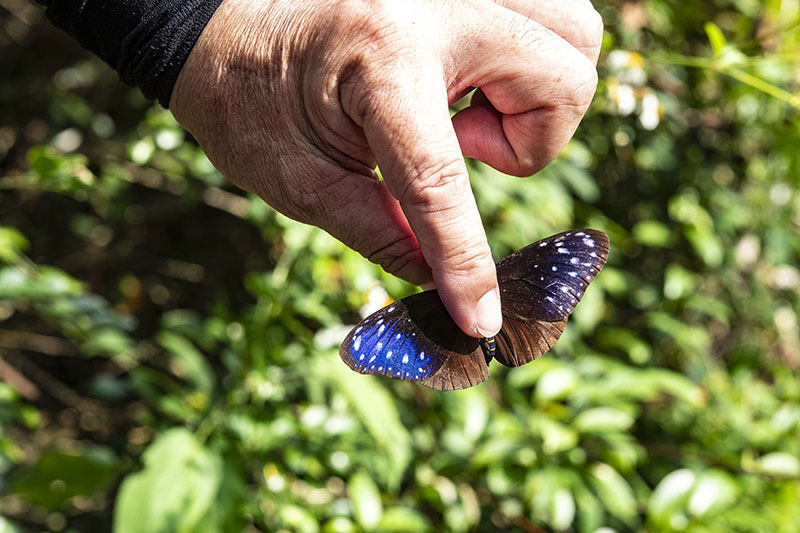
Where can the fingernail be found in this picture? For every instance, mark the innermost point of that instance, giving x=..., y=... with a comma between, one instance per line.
x=488, y=318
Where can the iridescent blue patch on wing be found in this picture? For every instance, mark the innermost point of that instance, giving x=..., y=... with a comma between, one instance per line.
x=388, y=343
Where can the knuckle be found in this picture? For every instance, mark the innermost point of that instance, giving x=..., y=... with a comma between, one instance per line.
x=397, y=256
x=433, y=185
x=578, y=84
x=465, y=260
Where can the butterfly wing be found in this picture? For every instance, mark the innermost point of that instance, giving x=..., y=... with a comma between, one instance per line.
x=414, y=339
x=540, y=285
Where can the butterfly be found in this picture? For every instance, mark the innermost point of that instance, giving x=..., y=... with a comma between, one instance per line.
x=414, y=339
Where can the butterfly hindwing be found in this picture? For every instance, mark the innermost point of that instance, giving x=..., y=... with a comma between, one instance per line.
x=519, y=342
x=413, y=339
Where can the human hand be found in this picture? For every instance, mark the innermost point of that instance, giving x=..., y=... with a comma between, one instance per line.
x=297, y=102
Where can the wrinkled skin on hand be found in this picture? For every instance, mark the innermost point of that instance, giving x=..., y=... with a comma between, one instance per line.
x=297, y=101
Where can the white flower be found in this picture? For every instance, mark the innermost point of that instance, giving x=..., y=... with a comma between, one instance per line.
x=650, y=114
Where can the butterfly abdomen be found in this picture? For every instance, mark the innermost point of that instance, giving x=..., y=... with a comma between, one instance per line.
x=489, y=347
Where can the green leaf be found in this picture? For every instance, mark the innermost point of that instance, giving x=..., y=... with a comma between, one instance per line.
x=366, y=500
x=715, y=37
x=556, y=384
x=714, y=491
x=779, y=464
x=671, y=493
x=61, y=475
x=376, y=409
x=402, y=519
x=176, y=491
x=614, y=491
x=652, y=233
x=7, y=526
x=299, y=519
x=190, y=363
x=12, y=243
x=601, y=419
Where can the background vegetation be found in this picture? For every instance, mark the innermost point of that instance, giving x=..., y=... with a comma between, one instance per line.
x=168, y=345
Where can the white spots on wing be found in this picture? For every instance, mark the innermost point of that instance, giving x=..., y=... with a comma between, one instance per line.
x=563, y=251
x=405, y=359
x=579, y=234
x=419, y=370
x=371, y=359
x=379, y=345
x=380, y=369
x=588, y=242
x=380, y=329
x=535, y=266
x=389, y=355
x=358, y=329
x=361, y=358
x=372, y=367
x=573, y=260
x=592, y=254
x=397, y=336
x=573, y=274
x=541, y=278
x=421, y=356
x=564, y=288
x=398, y=373
x=357, y=342
x=550, y=299
x=586, y=264
x=379, y=322
x=555, y=269
x=542, y=244
x=559, y=243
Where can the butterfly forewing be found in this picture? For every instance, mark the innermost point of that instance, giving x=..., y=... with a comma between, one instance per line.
x=540, y=285
x=546, y=279
x=412, y=339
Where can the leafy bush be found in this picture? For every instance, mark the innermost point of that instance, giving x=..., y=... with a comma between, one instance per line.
x=168, y=345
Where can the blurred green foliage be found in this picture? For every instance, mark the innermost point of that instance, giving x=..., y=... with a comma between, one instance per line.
x=168, y=345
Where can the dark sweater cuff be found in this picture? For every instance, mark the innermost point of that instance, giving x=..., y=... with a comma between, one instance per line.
x=145, y=41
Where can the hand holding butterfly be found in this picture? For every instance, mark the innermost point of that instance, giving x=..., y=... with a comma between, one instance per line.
x=297, y=101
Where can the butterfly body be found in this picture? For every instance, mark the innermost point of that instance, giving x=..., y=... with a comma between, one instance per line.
x=414, y=339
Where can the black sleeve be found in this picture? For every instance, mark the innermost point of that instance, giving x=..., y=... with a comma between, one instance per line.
x=145, y=41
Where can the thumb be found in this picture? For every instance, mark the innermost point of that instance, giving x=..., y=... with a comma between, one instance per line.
x=418, y=152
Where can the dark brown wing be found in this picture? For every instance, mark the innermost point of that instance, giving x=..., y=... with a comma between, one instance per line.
x=540, y=285
x=459, y=372
x=520, y=342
